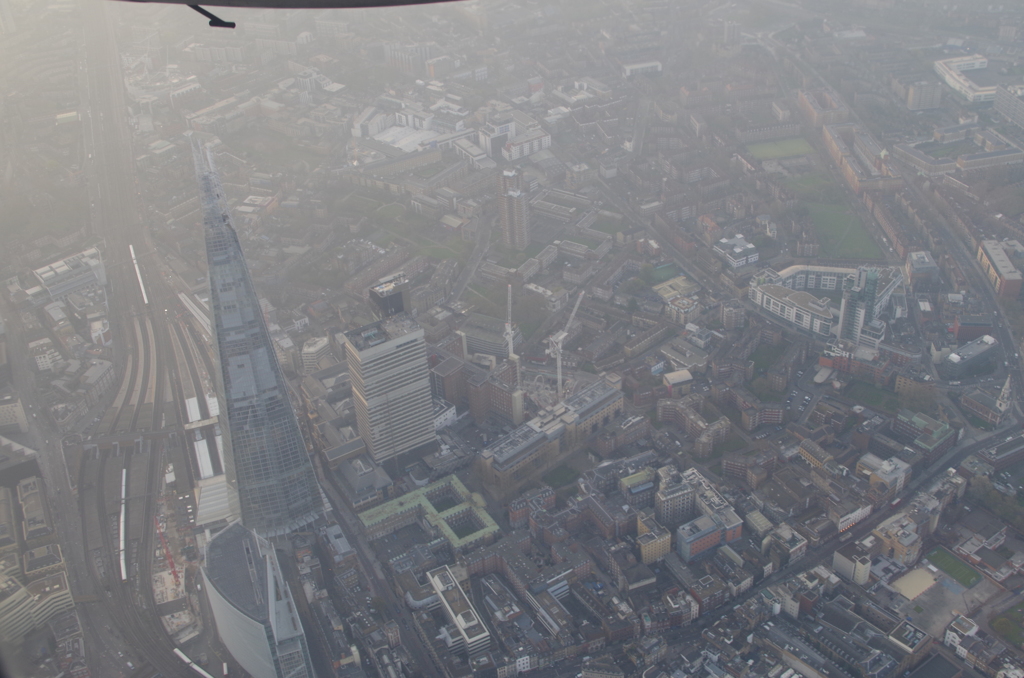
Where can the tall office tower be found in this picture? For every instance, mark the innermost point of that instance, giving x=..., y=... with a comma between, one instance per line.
x=859, y=309
x=1010, y=103
x=252, y=606
x=387, y=361
x=266, y=459
x=857, y=306
x=514, y=209
x=924, y=95
x=391, y=296
x=674, y=500
x=731, y=33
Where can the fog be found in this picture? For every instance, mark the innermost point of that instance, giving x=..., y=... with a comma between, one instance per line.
x=560, y=338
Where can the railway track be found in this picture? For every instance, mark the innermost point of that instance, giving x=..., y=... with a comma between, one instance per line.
x=129, y=597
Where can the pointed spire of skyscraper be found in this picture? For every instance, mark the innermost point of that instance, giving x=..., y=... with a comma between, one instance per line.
x=265, y=457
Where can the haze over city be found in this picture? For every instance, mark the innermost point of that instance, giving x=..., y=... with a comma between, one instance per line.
x=627, y=338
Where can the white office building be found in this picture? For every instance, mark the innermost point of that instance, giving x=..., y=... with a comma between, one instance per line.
x=387, y=362
x=466, y=631
x=798, y=308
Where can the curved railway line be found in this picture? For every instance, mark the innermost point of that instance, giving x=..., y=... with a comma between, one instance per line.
x=132, y=436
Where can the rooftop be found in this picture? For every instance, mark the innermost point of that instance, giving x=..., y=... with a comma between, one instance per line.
x=419, y=500
x=235, y=567
x=921, y=260
x=460, y=610
x=381, y=332
x=387, y=285
x=1000, y=259
x=973, y=349
x=802, y=300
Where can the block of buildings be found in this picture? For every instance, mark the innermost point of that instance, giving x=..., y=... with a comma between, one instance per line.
x=988, y=406
x=887, y=477
x=822, y=107
x=459, y=520
x=72, y=274
x=852, y=562
x=35, y=512
x=532, y=448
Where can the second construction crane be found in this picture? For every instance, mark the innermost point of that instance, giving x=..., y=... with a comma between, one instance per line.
x=509, y=336
x=557, y=340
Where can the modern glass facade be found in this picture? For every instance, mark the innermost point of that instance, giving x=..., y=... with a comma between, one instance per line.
x=266, y=458
x=253, y=607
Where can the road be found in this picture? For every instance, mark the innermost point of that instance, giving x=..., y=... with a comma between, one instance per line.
x=483, y=243
x=395, y=607
x=979, y=283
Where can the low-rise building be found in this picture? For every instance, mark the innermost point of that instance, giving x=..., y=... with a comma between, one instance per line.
x=799, y=309
x=736, y=251
x=971, y=357
x=852, y=562
x=899, y=539
x=999, y=261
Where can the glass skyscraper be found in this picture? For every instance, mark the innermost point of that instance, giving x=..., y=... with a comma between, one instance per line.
x=266, y=458
x=253, y=607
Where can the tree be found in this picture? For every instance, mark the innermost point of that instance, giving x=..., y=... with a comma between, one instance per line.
x=983, y=493
x=1004, y=627
x=634, y=286
x=920, y=400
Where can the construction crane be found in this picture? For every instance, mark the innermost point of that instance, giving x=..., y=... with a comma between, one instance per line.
x=508, y=333
x=557, y=340
x=167, y=551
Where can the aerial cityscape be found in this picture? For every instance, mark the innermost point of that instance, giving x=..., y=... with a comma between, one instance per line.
x=624, y=338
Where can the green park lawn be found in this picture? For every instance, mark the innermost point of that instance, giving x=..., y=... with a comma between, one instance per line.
x=765, y=355
x=608, y=225
x=784, y=148
x=841, y=233
x=358, y=205
x=874, y=397
x=392, y=211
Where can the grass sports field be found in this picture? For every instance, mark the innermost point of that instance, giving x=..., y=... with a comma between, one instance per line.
x=954, y=567
x=785, y=148
x=841, y=233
